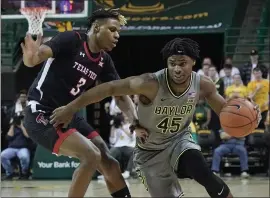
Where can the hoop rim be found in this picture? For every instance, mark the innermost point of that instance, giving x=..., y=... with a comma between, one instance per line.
x=33, y=9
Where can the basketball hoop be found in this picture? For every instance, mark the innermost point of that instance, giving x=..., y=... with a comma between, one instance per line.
x=35, y=17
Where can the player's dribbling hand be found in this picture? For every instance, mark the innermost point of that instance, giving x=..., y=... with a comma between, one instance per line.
x=61, y=116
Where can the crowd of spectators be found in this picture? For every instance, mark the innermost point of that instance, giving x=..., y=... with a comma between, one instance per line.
x=248, y=81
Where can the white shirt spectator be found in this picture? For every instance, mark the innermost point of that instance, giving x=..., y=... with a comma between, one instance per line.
x=19, y=108
x=235, y=70
x=200, y=71
x=252, y=76
x=114, y=110
x=121, y=137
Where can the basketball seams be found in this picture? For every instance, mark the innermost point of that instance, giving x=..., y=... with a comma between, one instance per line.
x=227, y=117
x=249, y=111
x=237, y=126
x=246, y=107
x=241, y=135
x=237, y=114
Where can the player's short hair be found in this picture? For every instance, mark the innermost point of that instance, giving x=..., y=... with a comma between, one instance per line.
x=181, y=46
x=105, y=14
x=256, y=69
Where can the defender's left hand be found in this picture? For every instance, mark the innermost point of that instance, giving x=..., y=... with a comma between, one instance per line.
x=61, y=116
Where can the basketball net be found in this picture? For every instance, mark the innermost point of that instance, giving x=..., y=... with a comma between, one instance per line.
x=35, y=17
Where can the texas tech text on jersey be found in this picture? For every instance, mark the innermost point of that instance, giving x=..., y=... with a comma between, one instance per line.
x=72, y=70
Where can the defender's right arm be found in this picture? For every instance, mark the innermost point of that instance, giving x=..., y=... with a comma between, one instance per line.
x=34, y=53
x=135, y=85
x=145, y=85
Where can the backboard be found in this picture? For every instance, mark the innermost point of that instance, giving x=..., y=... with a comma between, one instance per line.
x=58, y=9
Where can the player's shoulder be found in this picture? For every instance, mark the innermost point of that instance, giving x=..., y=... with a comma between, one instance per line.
x=146, y=80
x=146, y=84
x=149, y=77
x=107, y=59
x=106, y=56
x=71, y=34
x=74, y=38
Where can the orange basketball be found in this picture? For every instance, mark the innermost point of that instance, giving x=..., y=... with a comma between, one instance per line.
x=238, y=117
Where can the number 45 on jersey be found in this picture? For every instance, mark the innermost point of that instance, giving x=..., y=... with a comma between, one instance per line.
x=170, y=124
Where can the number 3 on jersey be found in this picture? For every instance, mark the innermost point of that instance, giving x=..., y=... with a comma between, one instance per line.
x=76, y=90
x=173, y=124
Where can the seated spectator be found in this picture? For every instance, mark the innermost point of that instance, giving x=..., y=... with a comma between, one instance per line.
x=205, y=66
x=19, y=106
x=234, y=70
x=202, y=115
x=218, y=81
x=258, y=91
x=114, y=109
x=17, y=146
x=231, y=144
x=246, y=70
x=21, y=103
x=123, y=143
x=227, y=79
x=234, y=146
x=237, y=89
x=214, y=124
x=207, y=62
x=205, y=70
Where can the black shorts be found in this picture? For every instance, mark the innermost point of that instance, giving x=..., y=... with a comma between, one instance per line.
x=39, y=129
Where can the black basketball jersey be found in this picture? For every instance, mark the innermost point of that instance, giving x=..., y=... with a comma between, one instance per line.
x=72, y=70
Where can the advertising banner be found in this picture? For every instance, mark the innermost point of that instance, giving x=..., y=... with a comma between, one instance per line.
x=173, y=16
x=49, y=166
x=157, y=17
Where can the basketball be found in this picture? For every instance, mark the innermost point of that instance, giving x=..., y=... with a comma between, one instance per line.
x=238, y=117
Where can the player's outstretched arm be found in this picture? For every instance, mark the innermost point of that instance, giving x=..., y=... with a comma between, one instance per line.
x=33, y=53
x=139, y=85
x=210, y=93
x=128, y=86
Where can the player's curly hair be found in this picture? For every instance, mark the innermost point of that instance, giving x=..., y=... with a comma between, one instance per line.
x=105, y=13
x=181, y=46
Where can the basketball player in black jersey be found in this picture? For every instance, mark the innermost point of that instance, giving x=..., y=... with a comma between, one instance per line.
x=73, y=63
